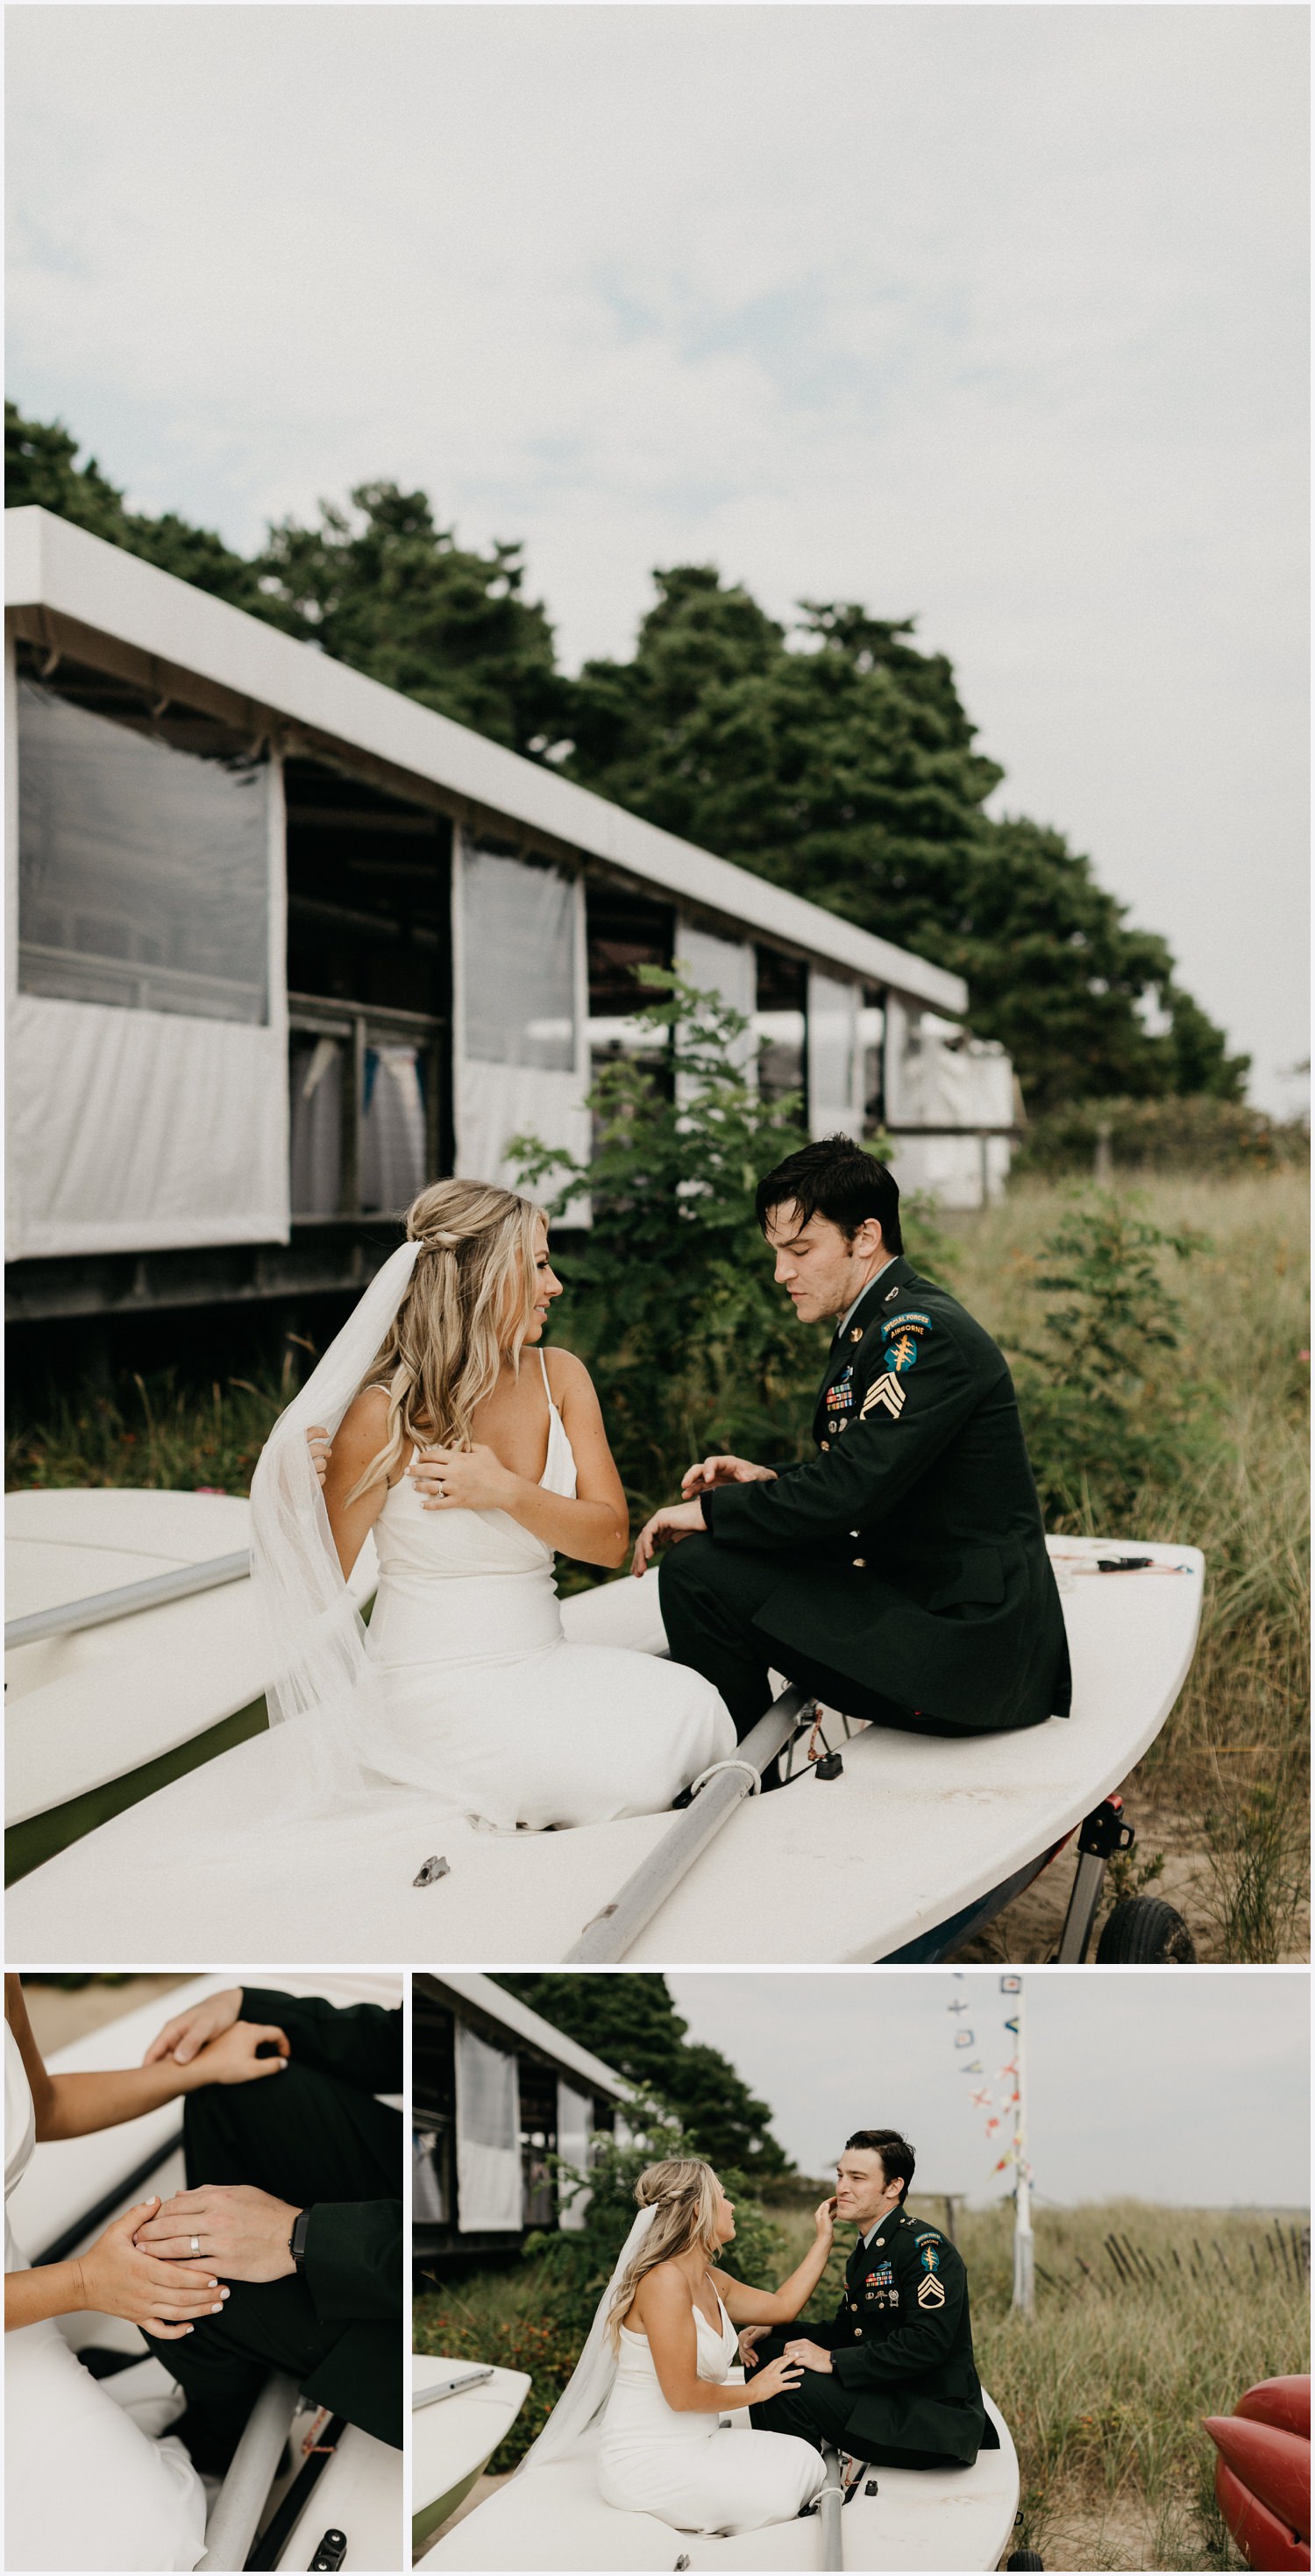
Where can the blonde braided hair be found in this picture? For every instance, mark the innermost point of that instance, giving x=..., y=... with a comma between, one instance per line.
x=470, y=1303
x=682, y=2192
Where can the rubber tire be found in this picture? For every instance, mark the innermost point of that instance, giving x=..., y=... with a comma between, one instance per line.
x=1144, y=1928
x=1025, y=2558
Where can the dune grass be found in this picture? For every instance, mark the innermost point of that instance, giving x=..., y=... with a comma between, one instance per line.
x=1232, y=1763
x=1103, y=2390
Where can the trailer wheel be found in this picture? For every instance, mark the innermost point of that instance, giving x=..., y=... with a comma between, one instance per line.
x=1025, y=2558
x=1145, y=1928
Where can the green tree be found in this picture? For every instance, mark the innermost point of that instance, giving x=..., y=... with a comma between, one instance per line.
x=843, y=769
x=839, y=761
x=387, y=590
x=632, y=2023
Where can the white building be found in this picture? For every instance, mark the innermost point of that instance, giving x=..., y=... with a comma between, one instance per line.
x=497, y=2091
x=283, y=945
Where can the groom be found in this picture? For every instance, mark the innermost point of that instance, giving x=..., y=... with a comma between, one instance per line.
x=901, y=1575
x=892, y=2378
x=297, y=2203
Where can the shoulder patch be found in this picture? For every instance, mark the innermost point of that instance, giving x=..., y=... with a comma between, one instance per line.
x=886, y=1392
x=913, y=1322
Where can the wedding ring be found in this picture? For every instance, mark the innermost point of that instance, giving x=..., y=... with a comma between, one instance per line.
x=196, y=2244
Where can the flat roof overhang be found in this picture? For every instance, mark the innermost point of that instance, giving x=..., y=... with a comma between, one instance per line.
x=74, y=595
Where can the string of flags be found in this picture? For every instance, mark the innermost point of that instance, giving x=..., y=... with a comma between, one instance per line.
x=1000, y=2106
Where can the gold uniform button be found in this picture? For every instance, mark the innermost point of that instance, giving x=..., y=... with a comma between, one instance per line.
x=858, y=2332
x=856, y=1332
x=826, y=1444
x=860, y=1560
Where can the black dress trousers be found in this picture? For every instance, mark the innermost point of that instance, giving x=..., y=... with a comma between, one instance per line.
x=305, y=2136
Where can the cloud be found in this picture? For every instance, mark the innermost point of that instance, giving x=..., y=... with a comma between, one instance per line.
x=1192, y=2090
x=993, y=314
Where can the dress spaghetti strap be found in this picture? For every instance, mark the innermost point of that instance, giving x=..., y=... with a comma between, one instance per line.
x=546, y=1387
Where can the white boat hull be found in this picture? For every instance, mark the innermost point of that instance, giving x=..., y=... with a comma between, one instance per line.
x=932, y=2518
x=452, y=2441
x=85, y=1709
x=916, y=1829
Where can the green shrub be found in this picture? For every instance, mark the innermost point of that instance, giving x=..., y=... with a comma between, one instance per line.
x=1192, y=1134
x=1104, y=1394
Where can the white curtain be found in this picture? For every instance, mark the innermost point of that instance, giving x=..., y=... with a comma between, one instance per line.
x=522, y=1019
x=134, y=1131
x=392, y=1129
x=427, y=2201
x=575, y=2120
x=489, y=2183
x=726, y=967
x=835, y=1062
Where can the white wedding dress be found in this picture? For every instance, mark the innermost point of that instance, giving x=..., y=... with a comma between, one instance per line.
x=86, y=2485
x=480, y=1709
x=485, y=1705
x=691, y=2470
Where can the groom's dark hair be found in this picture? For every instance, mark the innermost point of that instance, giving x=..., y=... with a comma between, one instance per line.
x=834, y=1178
x=896, y=2154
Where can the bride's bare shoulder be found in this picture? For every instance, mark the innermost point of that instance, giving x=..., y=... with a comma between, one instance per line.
x=567, y=1376
x=363, y=1428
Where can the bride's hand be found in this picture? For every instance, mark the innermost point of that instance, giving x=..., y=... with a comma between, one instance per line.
x=720, y=1470
x=456, y=1480
x=776, y=2378
x=232, y=2058
x=824, y=2220
x=120, y=2279
x=679, y=1520
x=317, y=1441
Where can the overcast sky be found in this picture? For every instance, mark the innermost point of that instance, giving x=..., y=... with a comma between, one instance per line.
x=992, y=314
x=1191, y=2088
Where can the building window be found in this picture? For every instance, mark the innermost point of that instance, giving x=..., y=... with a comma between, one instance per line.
x=780, y=1023
x=518, y=938
x=143, y=857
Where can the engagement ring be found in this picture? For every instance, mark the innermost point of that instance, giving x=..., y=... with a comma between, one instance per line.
x=196, y=2244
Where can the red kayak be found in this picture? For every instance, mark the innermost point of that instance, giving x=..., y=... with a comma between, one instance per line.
x=1262, y=2476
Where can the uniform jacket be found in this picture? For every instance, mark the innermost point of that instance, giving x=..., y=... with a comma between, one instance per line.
x=926, y=1574
x=901, y=2344
x=353, y=2259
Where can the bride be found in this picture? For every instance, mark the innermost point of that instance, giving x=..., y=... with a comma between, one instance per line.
x=472, y=1468
x=652, y=2381
x=440, y=1426
x=86, y=2485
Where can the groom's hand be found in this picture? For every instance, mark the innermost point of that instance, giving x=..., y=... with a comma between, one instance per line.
x=813, y=2356
x=721, y=1470
x=242, y=2233
x=679, y=1520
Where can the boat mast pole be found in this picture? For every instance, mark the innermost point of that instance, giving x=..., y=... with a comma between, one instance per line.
x=1024, y=2245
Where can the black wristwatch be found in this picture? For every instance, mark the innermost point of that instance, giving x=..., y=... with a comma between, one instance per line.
x=297, y=2240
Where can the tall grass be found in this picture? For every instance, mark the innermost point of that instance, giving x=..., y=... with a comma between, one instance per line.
x=1232, y=1763
x=1146, y=2320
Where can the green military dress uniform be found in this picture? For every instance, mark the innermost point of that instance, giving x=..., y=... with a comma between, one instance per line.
x=903, y=2390
x=314, y=2136
x=901, y=1574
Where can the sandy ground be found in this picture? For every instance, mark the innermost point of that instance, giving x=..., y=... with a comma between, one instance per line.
x=1028, y=1930
x=59, y=2016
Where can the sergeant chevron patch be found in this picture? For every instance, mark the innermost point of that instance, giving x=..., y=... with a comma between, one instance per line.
x=887, y=1391
x=930, y=2293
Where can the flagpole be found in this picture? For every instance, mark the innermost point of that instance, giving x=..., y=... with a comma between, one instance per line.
x=1024, y=2245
